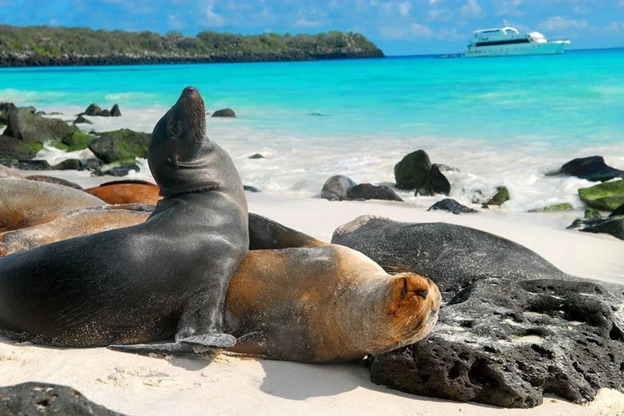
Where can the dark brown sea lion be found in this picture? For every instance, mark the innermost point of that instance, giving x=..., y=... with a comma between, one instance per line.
x=127, y=192
x=141, y=284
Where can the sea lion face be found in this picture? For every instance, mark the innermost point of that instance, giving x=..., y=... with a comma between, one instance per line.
x=179, y=146
x=413, y=308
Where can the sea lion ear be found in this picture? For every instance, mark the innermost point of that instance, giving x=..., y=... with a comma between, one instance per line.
x=174, y=128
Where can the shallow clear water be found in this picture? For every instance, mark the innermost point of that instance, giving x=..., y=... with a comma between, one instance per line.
x=498, y=120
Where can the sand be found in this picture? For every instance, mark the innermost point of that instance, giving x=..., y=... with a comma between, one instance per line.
x=233, y=385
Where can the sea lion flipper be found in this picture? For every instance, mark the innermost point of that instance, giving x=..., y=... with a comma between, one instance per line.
x=265, y=233
x=212, y=340
x=169, y=348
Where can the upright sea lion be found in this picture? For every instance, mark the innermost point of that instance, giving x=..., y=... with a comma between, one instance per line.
x=142, y=283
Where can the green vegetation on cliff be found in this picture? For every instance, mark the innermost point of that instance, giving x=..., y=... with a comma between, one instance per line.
x=44, y=45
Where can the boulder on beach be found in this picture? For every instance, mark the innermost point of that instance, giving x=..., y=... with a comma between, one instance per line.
x=33, y=398
x=592, y=168
x=97, y=111
x=435, y=183
x=500, y=197
x=411, y=172
x=415, y=171
x=563, y=206
x=5, y=109
x=370, y=191
x=452, y=206
x=336, y=187
x=226, y=112
x=613, y=225
x=31, y=128
x=513, y=327
x=120, y=145
x=605, y=196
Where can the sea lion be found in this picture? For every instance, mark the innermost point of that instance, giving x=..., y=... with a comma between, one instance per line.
x=24, y=202
x=325, y=304
x=141, y=284
x=300, y=299
x=72, y=224
x=126, y=192
x=52, y=179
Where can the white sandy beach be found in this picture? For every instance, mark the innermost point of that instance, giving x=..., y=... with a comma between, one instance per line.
x=232, y=385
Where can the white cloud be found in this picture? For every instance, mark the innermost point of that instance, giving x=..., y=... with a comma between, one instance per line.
x=211, y=18
x=557, y=23
x=304, y=22
x=175, y=23
x=419, y=30
x=471, y=10
x=507, y=7
x=404, y=8
x=391, y=33
x=439, y=15
x=617, y=26
x=432, y=2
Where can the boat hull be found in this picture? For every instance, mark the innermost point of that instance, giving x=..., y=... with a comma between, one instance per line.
x=548, y=48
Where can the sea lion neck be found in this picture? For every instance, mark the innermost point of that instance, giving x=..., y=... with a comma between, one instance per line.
x=180, y=154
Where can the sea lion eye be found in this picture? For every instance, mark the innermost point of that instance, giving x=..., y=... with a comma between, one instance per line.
x=174, y=128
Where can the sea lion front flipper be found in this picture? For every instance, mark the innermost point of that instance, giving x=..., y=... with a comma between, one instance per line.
x=169, y=348
x=209, y=340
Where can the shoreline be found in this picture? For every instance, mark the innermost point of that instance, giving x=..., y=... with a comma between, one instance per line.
x=231, y=385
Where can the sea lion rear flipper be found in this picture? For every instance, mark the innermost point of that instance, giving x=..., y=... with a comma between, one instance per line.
x=265, y=233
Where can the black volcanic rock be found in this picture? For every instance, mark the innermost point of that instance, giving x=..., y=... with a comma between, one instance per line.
x=435, y=183
x=336, y=188
x=512, y=327
x=48, y=399
x=120, y=145
x=592, y=168
x=226, y=112
x=411, y=172
x=451, y=205
x=370, y=191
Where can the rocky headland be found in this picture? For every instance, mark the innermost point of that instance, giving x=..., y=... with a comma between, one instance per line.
x=52, y=46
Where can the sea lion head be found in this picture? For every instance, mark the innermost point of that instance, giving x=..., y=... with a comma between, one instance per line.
x=180, y=153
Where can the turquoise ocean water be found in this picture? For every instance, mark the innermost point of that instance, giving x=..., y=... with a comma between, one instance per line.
x=498, y=120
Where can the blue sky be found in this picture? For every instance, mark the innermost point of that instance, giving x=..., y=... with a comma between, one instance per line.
x=400, y=27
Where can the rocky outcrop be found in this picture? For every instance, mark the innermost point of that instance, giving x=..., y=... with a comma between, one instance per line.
x=369, y=191
x=336, y=187
x=613, y=225
x=415, y=171
x=500, y=197
x=25, y=125
x=605, y=196
x=226, y=112
x=563, y=206
x=120, y=145
x=411, y=172
x=592, y=168
x=513, y=327
x=48, y=399
x=452, y=206
x=96, y=111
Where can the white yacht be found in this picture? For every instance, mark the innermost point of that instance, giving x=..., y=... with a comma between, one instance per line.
x=507, y=41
